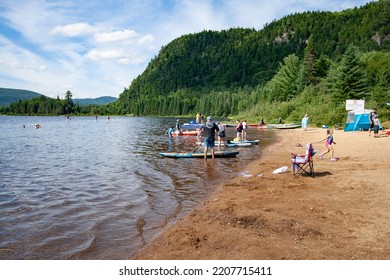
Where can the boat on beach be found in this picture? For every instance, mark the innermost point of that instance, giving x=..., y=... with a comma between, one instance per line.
x=217, y=154
x=191, y=126
x=285, y=126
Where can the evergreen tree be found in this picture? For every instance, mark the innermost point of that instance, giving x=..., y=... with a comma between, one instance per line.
x=309, y=63
x=351, y=81
x=68, y=103
x=287, y=81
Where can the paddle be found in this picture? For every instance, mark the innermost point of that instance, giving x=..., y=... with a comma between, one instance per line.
x=201, y=143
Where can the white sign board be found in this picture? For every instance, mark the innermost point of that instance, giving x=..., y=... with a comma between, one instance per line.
x=354, y=104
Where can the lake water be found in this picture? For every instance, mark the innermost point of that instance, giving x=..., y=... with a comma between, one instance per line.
x=98, y=189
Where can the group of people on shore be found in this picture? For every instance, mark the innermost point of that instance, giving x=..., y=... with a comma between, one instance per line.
x=209, y=128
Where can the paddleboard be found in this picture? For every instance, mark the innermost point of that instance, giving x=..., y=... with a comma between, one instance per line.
x=252, y=142
x=217, y=154
x=238, y=144
x=280, y=170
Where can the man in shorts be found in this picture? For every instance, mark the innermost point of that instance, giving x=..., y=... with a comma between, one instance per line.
x=209, y=129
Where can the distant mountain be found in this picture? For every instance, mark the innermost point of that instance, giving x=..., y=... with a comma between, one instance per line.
x=8, y=95
x=104, y=100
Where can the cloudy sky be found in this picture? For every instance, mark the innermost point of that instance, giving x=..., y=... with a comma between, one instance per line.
x=97, y=47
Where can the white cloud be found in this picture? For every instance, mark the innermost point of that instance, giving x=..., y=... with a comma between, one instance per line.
x=146, y=39
x=115, y=36
x=105, y=54
x=75, y=29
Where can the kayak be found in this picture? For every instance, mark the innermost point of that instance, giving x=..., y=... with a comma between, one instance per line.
x=238, y=144
x=217, y=154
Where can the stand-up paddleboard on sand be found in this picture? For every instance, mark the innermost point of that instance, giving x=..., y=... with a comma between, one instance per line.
x=280, y=170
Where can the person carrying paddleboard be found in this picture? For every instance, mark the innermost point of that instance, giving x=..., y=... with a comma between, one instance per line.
x=209, y=129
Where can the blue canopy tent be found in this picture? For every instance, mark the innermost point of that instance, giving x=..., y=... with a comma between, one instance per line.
x=358, y=120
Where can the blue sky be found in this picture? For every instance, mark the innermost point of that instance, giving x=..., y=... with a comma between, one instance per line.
x=97, y=47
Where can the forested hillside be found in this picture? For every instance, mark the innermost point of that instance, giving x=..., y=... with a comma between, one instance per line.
x=43, y=105
x=8, y=96
x=239, y=71
x=103, y=100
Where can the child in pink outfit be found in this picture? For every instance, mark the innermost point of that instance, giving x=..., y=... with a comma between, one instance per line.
x=329, y=141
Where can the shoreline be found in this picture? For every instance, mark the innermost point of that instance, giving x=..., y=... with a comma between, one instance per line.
x=341, y=213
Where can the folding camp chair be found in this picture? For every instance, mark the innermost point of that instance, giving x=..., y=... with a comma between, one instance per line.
x=303, y=164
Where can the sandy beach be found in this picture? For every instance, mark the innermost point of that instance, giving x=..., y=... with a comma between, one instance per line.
x=341, y=213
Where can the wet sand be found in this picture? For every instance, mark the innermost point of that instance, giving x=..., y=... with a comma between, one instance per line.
x=341, y=213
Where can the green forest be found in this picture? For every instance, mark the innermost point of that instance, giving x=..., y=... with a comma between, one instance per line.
x=303, y=63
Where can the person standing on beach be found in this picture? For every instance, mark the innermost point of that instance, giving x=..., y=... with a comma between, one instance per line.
x=239, y=129
x=209, y=129
x=329, y=141
x=372, y=116
x=377, y=124
x=244, y=129
x=221, y=135
x=305, y=121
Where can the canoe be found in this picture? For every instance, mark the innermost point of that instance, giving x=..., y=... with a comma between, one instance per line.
x=257, y=125
x=238, y=144
x=186, y=133
x=217, y=154
x=286, y=126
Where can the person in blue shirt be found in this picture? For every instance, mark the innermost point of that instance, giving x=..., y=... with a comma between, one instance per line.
x=170, y=132
x=209, y=129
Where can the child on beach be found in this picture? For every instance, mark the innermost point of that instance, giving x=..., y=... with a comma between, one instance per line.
x=329, y=141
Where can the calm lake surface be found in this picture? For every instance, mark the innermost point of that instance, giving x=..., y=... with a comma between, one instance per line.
x=98, y=189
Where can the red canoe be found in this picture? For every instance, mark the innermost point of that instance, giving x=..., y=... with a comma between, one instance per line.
x=186, y=133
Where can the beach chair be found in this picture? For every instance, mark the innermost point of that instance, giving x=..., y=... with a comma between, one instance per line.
x=303, y=164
